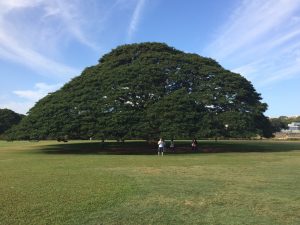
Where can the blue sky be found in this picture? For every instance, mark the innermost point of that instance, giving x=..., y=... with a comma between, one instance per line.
x=45, y=43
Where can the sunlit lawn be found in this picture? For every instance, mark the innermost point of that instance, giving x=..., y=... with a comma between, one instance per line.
x=79, y=182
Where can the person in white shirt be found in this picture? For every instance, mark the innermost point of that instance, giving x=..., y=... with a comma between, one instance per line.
x=161, y=146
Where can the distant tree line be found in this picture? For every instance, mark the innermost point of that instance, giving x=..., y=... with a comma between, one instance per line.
x=282, y=122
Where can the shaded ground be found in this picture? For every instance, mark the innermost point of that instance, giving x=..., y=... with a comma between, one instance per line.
x=182, y=147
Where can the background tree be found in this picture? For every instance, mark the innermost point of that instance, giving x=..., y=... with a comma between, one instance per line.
x=281, y=123
x=8, y=118
x=149, y=90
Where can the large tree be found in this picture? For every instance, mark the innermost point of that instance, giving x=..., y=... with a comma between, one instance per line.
x=149, y=90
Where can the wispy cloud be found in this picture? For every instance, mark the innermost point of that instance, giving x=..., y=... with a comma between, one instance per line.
x=36, y=33
x=40, y=90
x=19, y=107
x=136, y=16
x=27, y=98
x=261, y=40
x=71, y=15
x=32, y=30
x=13, y=50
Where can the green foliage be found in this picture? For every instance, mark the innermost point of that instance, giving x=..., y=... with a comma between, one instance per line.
x=286, y=120
x=145, y=91
x=8, y=118
x=278, y=124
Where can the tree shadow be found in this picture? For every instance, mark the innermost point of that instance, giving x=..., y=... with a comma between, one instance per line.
x=249, y=146
x=111, y=148
x=107, y=148
x=143, y=148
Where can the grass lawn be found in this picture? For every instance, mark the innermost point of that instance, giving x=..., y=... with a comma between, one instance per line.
x=81, y=182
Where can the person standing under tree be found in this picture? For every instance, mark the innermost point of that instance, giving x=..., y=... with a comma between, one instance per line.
x=194, y=144
x=172, y=146
x=161, y=146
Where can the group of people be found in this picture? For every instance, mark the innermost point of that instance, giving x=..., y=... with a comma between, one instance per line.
x=162, y=146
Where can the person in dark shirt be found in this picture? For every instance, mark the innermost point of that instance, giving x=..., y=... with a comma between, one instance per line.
x=172, y=145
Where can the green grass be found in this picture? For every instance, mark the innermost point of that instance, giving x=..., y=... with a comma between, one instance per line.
x=80, y=182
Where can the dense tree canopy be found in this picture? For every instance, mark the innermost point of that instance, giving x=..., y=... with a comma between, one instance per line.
x=8, y=118
x=149, y=90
